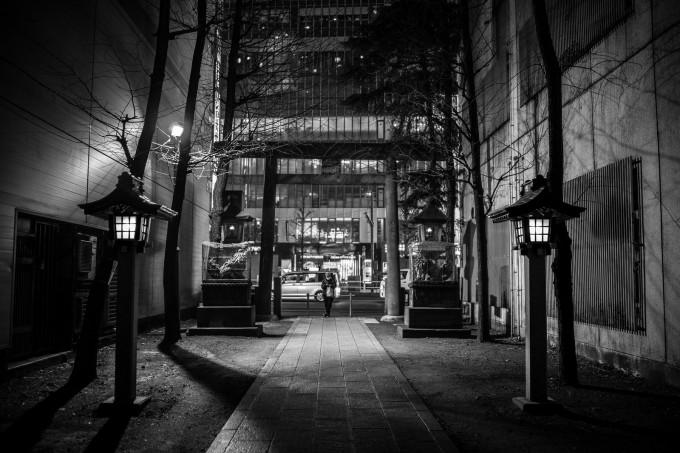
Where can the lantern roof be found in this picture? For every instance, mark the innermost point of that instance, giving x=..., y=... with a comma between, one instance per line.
x=128, y=196
x=430, y=214
x=537, y=201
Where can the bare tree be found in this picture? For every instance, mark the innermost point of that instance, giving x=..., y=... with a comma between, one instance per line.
x=299, y=228
x=562, y=278
x=171, y=275
x=85, y=364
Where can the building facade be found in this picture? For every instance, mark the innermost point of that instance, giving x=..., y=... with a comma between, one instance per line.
x=620, y=96
x=55, y=156
x=330, y=210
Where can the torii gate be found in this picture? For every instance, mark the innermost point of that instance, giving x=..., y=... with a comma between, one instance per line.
x=273, y=150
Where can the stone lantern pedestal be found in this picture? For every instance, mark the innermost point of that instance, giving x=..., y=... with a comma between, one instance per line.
x=227, y=307
x=434, y=308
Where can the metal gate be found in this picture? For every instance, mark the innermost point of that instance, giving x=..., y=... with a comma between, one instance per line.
x=34, y=313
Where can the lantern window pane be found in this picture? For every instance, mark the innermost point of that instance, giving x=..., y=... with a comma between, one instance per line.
x=126, y=227
x=144, y=233
x=539, y=230
x=519, y=231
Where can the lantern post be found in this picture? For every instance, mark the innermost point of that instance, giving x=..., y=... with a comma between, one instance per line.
x=532, y=218
x=129, y=215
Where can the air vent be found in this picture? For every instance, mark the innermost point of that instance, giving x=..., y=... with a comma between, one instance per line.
x=85, y=256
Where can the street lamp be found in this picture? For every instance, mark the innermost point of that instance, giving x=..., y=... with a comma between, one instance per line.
x=129, y=214
x=176, y=130
x=532, y=217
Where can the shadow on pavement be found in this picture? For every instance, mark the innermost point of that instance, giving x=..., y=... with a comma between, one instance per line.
x=657, y=435
x=227, y=384
x=108, y=437
x=26, y=431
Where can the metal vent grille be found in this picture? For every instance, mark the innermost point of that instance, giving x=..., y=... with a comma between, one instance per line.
x=608, y=257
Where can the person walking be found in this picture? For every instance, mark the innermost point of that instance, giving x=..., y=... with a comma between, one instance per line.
x=328, y=287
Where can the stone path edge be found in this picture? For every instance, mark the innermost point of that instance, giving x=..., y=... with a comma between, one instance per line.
x=229, y=429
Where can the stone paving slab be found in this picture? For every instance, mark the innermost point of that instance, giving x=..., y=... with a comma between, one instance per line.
x=330, y=386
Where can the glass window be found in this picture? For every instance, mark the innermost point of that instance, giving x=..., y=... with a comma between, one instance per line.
x=259, y=166
x=332, y=197
x=324, y=196
x=356, y=201
x=381, y=230
x=366, y=196
x=381, y=197
x=315, y=195
x=331, y=231
x=312, y=233
x=339, y=197
x=355, y=231
x=323, y=230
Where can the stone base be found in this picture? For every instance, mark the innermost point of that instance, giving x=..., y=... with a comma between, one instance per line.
x=111, y=407
x=231, y=316
x=433, y=317
x=218, y=293
x=254, y=331
x=393, y=319
x=411, y=332
x=548, y=407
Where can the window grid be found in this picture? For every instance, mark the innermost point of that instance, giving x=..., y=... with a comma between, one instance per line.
x=539, y=230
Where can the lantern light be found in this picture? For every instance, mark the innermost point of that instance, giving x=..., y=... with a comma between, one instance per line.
x=532, y=231
x=533, y=215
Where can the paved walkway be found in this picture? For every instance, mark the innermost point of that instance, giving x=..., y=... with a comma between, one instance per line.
x=330, y=387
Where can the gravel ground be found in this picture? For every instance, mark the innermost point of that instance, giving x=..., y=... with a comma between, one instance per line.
x=467, y=385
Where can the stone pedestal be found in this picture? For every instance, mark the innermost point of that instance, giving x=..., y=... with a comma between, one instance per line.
x=226, y=310
x=434, y=311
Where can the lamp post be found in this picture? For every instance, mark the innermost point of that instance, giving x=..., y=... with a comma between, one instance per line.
x=532, y=218
x=129, y=215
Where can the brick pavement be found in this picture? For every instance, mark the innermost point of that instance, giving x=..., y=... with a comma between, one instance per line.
x=330, y=387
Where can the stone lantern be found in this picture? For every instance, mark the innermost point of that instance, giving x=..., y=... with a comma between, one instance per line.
x=226, y=308
x=533, y=217
x=434, y=304
x=129, y=213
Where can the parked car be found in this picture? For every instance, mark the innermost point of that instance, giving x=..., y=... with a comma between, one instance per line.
x=405, y=279
x=296, y=285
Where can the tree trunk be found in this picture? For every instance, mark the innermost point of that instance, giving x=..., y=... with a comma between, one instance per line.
x=171, y=262
x=477, y=187
x=267, y=243
x=231, y=83
x=561, y=267
x=155, y=91
x=85, y=363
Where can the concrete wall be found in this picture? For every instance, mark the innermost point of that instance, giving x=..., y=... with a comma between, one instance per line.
x=623, y=100
x=53, y=157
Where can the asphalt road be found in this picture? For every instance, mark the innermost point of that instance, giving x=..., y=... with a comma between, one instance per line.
x=363, y=305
